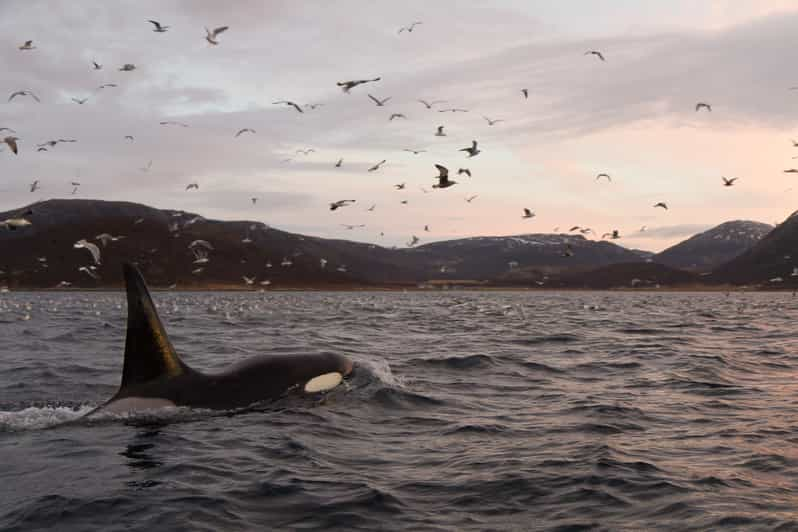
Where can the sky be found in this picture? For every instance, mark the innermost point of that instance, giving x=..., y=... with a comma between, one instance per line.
x=632, y=116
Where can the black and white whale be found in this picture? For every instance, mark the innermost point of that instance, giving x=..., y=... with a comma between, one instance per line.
x=153, y=376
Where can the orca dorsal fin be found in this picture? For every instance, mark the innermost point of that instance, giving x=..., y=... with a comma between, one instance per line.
x=149, y=354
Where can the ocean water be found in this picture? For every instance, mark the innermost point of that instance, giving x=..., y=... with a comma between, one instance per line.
x=466, y=411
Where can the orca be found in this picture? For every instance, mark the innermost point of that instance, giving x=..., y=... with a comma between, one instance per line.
x=154, y=376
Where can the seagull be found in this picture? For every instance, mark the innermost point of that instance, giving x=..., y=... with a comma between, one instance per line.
x=665, y=206
x=97, y=66
x=586, y=230
x=471, y=198
x=791, y=171
x=307, y=151
x=596, y=53
x=350, y=227
x=525, y=92
x=249, y=280
x=727, y=182
x=409, y=28
x=643, y=229
x=340, y=203
x=426, y=228
x=12, y=224
x=599, y=176
x=323, y=262
x=429, y=105
x=245, y=130
x=377, y=166
x=491, y=122
x=414, y=152
x=80, y=101
x=443, y=178
x=528, y=213
x=254, y=200
x=453, y=110
x=91, y=248
x=289, y=103
x=147, y=168
x=370, y=209
x=347, y=86
x=440, y=132
x=380, y=103
x=465, y=171
x=192, y=185
x=706, y=106
x=24, y=93
x=52, y=143
x=396, y=115
x=172, y=123
x=28, y=45
x=574, y=228
x=210, y=36
x=568, y=251
x=88, y=272
x=107, y=86
x=158, y=27
x=34, y=186
x=7, y=129
x=127, y=67
x=105, y=238
x=613, y=235
x=400, y=186
x=403, y=202
x=339, y=163
x=12, y=143
x=473, y=150
x=415, y=240
x=130, y=138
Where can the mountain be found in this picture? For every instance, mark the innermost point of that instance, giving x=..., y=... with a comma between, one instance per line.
x=708, y=250
x=629, y=275
x=770, y=259
x=43, y=255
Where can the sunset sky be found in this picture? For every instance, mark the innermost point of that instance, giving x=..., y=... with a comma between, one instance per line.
x=632, y=116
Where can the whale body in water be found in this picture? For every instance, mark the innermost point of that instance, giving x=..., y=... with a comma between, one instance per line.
x=154, y=376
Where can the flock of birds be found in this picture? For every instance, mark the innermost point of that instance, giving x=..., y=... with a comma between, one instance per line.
x=200, y=249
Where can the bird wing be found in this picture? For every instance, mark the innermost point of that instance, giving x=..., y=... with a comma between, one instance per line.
x=443, y=172
x=295, y=106
x=155, y=23
x=219, y=30
x=375, y=100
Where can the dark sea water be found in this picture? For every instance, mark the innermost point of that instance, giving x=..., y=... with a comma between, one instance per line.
x=466, y=411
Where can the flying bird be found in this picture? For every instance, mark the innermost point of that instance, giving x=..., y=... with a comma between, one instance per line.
x=665, y=206
x=453, y=110
x=791, y=171
x=596, y=53
x=568, y=251
x=347, y=86
x=414, y=152
x=465, y=171
x=34, y=186
x=380, y=103
x=159, y=28
x=443, y=178
x=248, y=280
x=127, y=67
x=727, y=182
x=528, y=213
x=469, y=199
x=396, y=115
x=88, y=272
x=24, y=93
x=409, y=28
x=172, y=123
x=339, y=163
x=472, y=151
x=415, y=240
x=192, y=185
x=429, y=105
x=370, y=209
x=702, y=105
x=614, y=235
x=210, y=36
x=341, y=203
x=377, y=166
x=439, y=132
x=91, y=248
x=350, y=227
x=80, y=101
x=491, y=122
x=12, y=144
x=289, y=103
x=400, y=186
x=525, y=92
x=97, y=66
x=306, y=151
x=106, y=238
x=107, y=86
x=253, y=200
x=28, y=45
x=245, y=130
x=599, y=176
x=426, y=228
x=147, y=168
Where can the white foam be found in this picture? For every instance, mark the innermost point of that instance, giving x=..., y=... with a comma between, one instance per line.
x=382, y=370
x=34, y=417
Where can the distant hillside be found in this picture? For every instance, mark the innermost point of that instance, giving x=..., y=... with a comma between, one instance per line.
x=770, y=262
x=43, y=254
x=708, y=250
x=630, y=275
